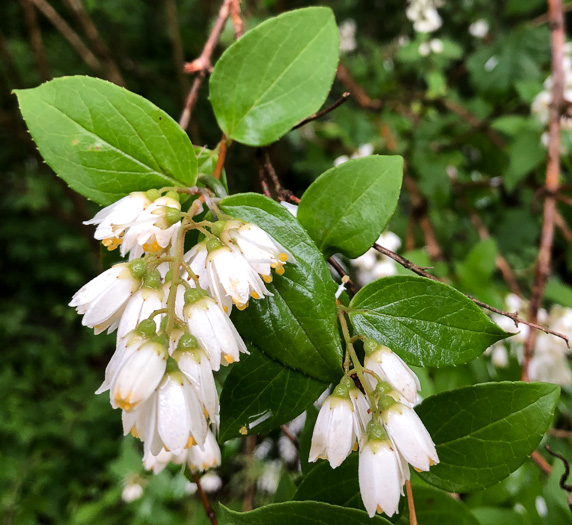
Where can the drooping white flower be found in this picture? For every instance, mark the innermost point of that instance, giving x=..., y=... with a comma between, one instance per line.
x=213, y=329
x=211, y=482
x=196, y=258
x=391, y=368
x=408, y=433
x=260, y=250
x=292, y=208
x=103, y=299
x=334, y=433
x=382, y=472
x=206, y=458
x=112, y=220
x=158, y=462
x=373, y=265
x=231, y=278
x=270, y=476
x=362, y=415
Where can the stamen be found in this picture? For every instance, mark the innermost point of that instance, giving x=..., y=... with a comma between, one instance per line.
x=190, y=442
x=241, y=306
x=243, y=431
x=229, y=359
x=267, y=278
x=254, y=295
x=280, y=270
x=283, y=257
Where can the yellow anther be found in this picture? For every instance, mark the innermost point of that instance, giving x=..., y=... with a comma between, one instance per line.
x=225, y=308
x=345, y=279
x=243, y=431
x=254, y=295
x=283, y=257
x=229, y=359
x=190, y=442
x=355, y=447
x=134, y=432
x=267, y=278
x=153, y=247
x=241, y=306
x=280, y=270
x=124, y=404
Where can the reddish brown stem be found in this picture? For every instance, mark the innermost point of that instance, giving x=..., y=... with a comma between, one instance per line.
x=541, y=462
x=236, y=19
x=204, y=500
x=410, y=504
x=323, y=112
x=357, y=92
x=221, y=157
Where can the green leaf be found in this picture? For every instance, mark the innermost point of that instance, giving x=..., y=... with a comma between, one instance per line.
x=494, y=516
x=346, y=208
x=435, y=507
x=559, y=292
x=299, y=513
x=105, y=141
x=426, y=322
x=338, y=486
x=297, y=326
x=526, y=153
x=484, y=432
x=260, y=394
x=275, y=75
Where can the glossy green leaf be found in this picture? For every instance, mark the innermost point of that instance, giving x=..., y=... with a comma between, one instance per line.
x=275, y=75
x=426, y=322
x=339, y=486
x=299, y=513
x=261, y=394
x=435, y=507
x=105, y=141
x=297, y=326
x=346, y=208
x=484, y=432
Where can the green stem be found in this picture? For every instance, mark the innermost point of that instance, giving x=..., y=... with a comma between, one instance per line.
x=175, y=276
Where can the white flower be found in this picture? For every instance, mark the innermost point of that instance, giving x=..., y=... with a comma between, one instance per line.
x=158, y=462
x=424, y=49
x=152, y=230
x=260, y=250
x=103, y=299
x=292, y=208
x=270, y=477
x=213, y=329
x=479, y=29
x=208, y=457
x=231, y=279
x=138, y=308
x=407, y=432
x=391, y=368
x=138, y=376
x=113, y=219
x=382, y=474
x=194, y=363
x=424, y=15
x=211, y=482
x=196, y=258
x=436, y=45
x=131, y=492
x=334, y=433
x=347, y=36
x=362, y=414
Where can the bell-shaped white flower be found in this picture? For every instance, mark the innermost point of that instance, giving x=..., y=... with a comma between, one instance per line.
x=260, y=250
x=382, y=472
x=142, y=304
x=138, y=376
x=206, y=458
x=408, y=433
x=195, y=364
x=112, y=220
x=362, y=412
x=196, y=258
x=158, y=462
x=334, y=433
x=103, y=299
x=230, y=278
x=154, y=229
x=213, y=329
x=391, y=368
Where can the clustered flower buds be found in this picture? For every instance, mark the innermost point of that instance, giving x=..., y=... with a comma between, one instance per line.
x=171, y=311
x=384, y=424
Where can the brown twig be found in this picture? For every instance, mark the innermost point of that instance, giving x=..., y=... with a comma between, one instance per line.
x=545, y=18
x=250, y=490
x=541, y=462
x=69, y=34
x=561, y=224
x=202, y=64
x=262, y=178
x=323, y=112
x=350, y=285
x=358, y=93
x=236, y=19
x=221, y=157
x=98, y=44
x=410, y=504
x=293, y=439
x=563, y=485
x=542, y=268
x=36, y=40
x=176, y=44
x=204, y=500
x=560, y=433
x=406, y=263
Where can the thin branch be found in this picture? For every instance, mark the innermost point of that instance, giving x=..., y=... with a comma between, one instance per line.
x=204, y=500
x=358, y=93
x=325, y=111
x=545, y=18
x=221, y=157
x=98, y=44
x=69, y=34
x=542, y=269
x=202, y=64
x=36, y=40
x=250, y=489
x=351, y=286
x=293, y=439
x=176, y=44
x=236, y=19
x=560, y=433
x=262, y=178
x=406, y=263
x=563, y=485
x=541, y=462
x=410, y=504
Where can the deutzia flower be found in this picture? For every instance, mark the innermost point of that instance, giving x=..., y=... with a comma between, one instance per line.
x=335, y=430
x=158, y=462
x=391, y=368
x=103, y=299
x=382, y=472
x=206, y=458
x=213, y=329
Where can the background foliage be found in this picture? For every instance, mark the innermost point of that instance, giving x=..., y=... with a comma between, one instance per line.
x=461, y=118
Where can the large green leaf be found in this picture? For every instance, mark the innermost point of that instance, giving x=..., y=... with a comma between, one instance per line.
x=105, y=141
x=297, y=326
x=484, y=432
x=275, y=75
x=299, y=513
x=426, y=322
x=260, y=394
x=346, y=208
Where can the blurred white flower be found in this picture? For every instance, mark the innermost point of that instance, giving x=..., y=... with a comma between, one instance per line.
x=347, y=31
x=364, y=150
x=479, y=28
x=373, y=265
x=211, y=482
x=424, y=15
x=131, y=491
x=268, y=480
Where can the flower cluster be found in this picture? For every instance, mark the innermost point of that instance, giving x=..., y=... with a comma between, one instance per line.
x=424, y=15
x=550, y=360
x=382, y=423
x=373, y=265
x=171, y=312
